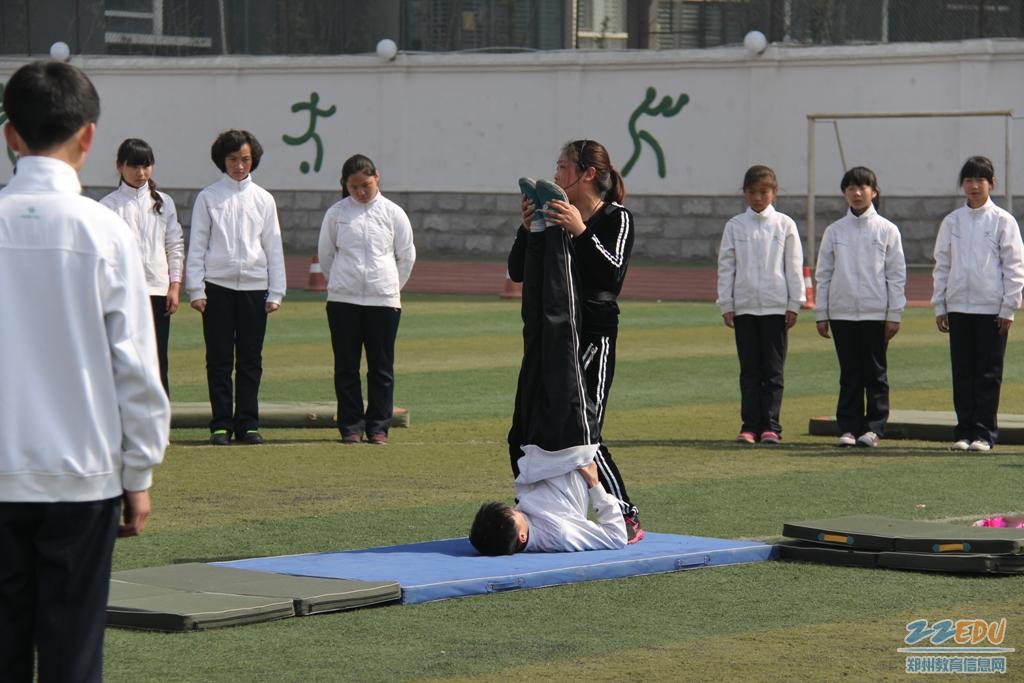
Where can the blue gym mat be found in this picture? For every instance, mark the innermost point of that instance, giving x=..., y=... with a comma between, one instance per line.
x=438, y=570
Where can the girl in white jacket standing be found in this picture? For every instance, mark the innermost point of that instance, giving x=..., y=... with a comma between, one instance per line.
x=978, y=277
x=760, y=291
x=235, y=278
x=154, y=220
x=861, y=276
x=366, y=251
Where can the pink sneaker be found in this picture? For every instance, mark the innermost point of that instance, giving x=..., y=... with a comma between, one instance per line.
x=634, y=534
x=770, y=438
x=746, y=437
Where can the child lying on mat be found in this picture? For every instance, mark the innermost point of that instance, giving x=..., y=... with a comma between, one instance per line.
x=555, y=423
x=554, y=491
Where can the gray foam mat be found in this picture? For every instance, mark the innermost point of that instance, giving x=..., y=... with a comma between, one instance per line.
x=310, y=595
x=969, y=563
x=870, y=532
x=133, y=605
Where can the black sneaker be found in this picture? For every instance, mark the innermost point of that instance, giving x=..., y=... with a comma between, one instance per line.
x=250, y=437
x=220, y=437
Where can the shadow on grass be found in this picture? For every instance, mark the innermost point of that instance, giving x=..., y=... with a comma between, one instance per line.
x=205, y=443
x=804, y=449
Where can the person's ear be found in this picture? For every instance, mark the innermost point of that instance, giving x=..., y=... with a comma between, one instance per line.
x=13, y=140
x=86, y=136
x=589, y=174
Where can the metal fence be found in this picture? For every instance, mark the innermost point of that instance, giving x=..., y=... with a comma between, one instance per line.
x=708, y=23
x=257, y=27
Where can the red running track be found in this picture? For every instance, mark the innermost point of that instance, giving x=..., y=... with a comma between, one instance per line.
x=668, y=283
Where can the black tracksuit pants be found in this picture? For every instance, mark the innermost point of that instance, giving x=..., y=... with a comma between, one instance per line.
x=234, y=326
x=552, y=408
x=976, y=351
x=354, y=328
x=761, y=342
x=863, y=376
x=54, y=581
x=162, y=326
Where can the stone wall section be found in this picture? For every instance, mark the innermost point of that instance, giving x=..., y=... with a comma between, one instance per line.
x=670, y=229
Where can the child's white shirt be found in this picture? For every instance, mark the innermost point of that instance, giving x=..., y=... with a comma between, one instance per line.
x=160, y=238
x=235, y=240
x=83, y=415
x=555, y=499
x=861, y=272
x=760, y=264
x=979, y=263
x=366, y=251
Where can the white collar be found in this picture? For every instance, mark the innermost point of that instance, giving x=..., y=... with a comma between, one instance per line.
x=868, y=213
x=761, y=215
x=237, y=185
x=45, y=174
x=133, y=192
x=981, y=209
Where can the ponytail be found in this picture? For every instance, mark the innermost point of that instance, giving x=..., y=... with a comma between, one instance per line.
x=158, y=201
x=617, y=192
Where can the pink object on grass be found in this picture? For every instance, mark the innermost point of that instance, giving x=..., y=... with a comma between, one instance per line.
x=1001, y=522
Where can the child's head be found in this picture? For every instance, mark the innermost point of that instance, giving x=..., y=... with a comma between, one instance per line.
x=359, y=178
x=47, y=104
x=237, y=153
x=759, y=187
x=860, y=188
x=135, y=165
x=977, y=177
x=587, y=161
x=499, y=529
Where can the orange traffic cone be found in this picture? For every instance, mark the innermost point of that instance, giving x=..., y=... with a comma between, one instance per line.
x=808, y=288
x=317, y=281
x=513, y=290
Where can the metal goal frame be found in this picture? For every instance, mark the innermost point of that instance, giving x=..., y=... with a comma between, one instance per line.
x=834, y=118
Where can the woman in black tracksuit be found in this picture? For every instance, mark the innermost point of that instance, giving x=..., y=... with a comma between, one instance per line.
x=602, y=238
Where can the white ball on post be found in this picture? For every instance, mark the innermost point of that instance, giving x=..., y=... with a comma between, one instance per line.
x=387, y=49
x=755, y=42
x=60, y=51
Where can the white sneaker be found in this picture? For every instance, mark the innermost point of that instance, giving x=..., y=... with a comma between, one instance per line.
x=961, y=445
x=847, y=439
x=980, y=446
x=868, y=440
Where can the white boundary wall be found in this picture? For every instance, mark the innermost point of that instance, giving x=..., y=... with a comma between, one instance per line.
x=473, y=123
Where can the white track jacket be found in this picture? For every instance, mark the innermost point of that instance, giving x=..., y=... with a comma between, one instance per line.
x=555, y=499
x=235, y=241
x=160, y=238
x=760, y=265
x=861, y=273
x=83, y=415
x=366, y=252
x=979, y=263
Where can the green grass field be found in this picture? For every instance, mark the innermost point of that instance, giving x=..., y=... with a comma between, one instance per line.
x=673, y=413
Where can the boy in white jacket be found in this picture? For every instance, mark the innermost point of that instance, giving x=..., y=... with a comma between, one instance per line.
x=235, y=277
x=83, y=417
x=760, y=292
x=861, y=275
x=978, y=277
x=558, y=481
